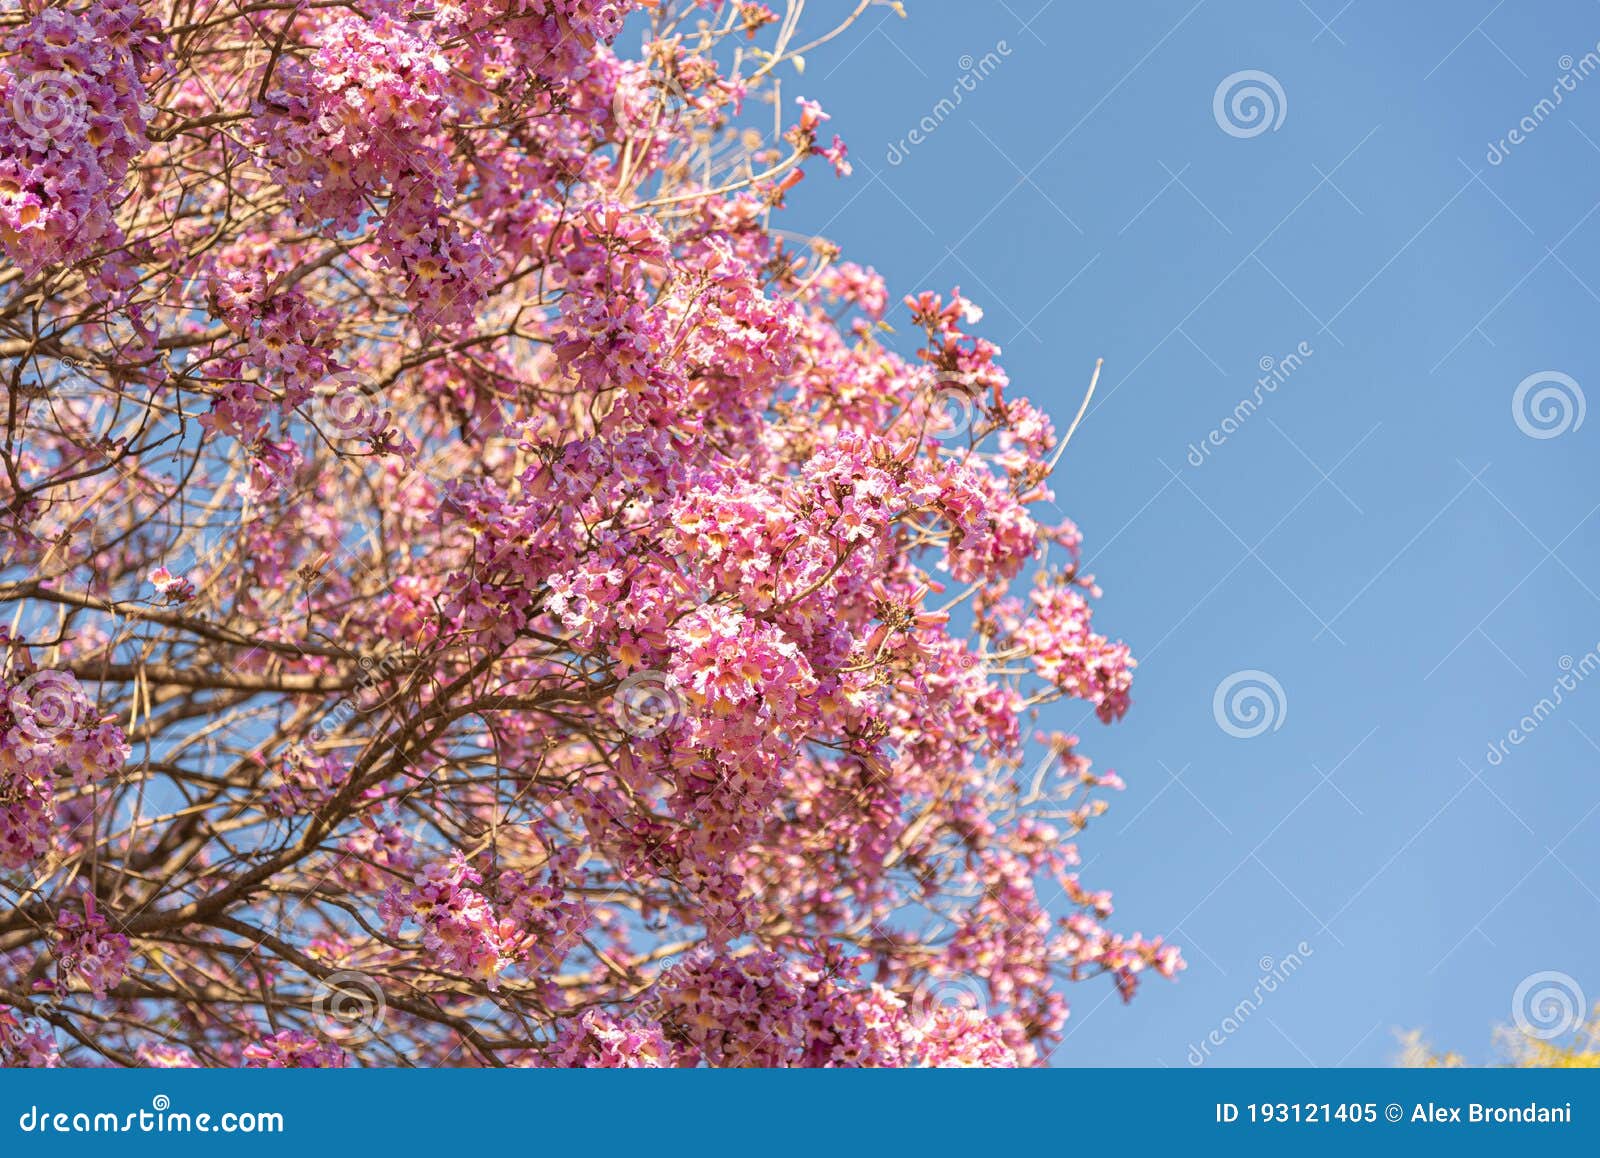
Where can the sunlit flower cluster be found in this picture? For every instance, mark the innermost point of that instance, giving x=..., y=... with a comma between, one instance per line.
x=73, y=87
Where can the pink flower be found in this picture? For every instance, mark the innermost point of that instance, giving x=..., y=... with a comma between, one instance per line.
x=171, y=588
x=459, y=925
x=87, y=951
x=25, y=1042
x=292, y=1049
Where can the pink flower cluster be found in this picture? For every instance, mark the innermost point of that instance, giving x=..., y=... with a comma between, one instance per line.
x=88, y=951
x=165, y=1056
x=459, y=925
x=362, y=119
x=1069, y=654
x=596, y=1039
x=291, y=1049
x=48, y=729
x=551, y=924
x=172, y=588
x=72, y=117
x=762, y=1009
x=305, y=782
x=25, y=1043
x=287, y=341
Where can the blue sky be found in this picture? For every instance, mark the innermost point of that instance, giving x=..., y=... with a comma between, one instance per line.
x=1379, y=535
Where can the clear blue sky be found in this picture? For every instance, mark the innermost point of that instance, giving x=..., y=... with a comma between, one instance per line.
x=1380, y=535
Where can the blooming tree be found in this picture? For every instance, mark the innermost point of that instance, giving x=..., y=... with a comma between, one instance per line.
x=479, y=593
